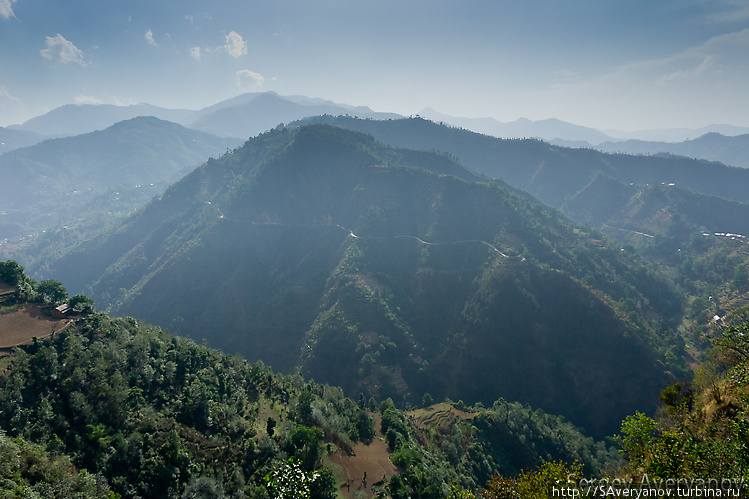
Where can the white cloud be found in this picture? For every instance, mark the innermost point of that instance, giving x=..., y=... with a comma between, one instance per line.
x=706, y=63
x=235, y=45
x=693, y=87
x=566, y=75
x=5, y=96
x=61, y=51
x=728, y=11
x=94, y=100
x=81, y=100
x=195, y=53
x=249, y=81
x=6, y=9
x=149, y=38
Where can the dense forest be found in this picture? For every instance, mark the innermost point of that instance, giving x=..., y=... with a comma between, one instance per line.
x=142, y=413
x=114, y=407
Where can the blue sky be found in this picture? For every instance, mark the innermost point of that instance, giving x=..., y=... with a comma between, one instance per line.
x=610, y=64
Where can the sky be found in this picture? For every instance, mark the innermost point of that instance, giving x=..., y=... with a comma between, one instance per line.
x=608, y=64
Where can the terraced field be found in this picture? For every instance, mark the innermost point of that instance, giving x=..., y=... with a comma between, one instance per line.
x=437, y=416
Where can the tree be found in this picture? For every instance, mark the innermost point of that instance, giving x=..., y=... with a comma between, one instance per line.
x=323, y=487
x=52, y=291
x=305, y=444
x=731, y=337
x=427, y=400
x=364, y=427
x=11, y=272
x=638, y=432
x=82, y=303
x=270, y=426
x=543, y=483
x=304, y=407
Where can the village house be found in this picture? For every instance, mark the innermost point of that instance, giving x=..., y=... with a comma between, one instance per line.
x=62, y=311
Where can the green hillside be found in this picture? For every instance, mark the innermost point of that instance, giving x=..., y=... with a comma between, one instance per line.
x=113, y=407
x=393, y=273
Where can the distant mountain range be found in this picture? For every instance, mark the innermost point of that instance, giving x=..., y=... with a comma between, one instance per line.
x=522, y=128
x=243, y=116
x=732, y=151
x=77, y=119
x=249, y=114
x=46, y=183
x=568, y=134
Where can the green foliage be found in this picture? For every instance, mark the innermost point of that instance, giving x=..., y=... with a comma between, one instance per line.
x=541, y=483
x=364, y=425
x=426, y=400
x=159, y=416
x=731, y=337
x=52, y=291
x=704, y=433
x=11, y=272
x=81, y=303
x=740, y=281
x=27, y=470
x=324, y=485
x=638, y=431
x=305, y=445
x=304, y=408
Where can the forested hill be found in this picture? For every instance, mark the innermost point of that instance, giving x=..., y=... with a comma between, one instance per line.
x=113, y=407
x=393, y=273
x=550, y=172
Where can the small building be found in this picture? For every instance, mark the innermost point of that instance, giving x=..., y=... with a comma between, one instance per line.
x=62, y=311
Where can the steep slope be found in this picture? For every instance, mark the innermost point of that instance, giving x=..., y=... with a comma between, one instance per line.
x=46, y=179
x=391, y=272
x=655, y=209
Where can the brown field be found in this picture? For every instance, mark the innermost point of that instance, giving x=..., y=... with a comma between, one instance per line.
x=374, y=459
x=20, y=326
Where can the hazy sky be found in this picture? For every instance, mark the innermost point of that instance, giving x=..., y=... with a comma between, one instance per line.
x=623, y=64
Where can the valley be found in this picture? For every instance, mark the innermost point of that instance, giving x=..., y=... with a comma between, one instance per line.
x=394, y=261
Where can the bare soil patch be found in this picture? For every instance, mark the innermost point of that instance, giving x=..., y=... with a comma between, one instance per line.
x=6, y=289
x=372, y=459
x=20, y=326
